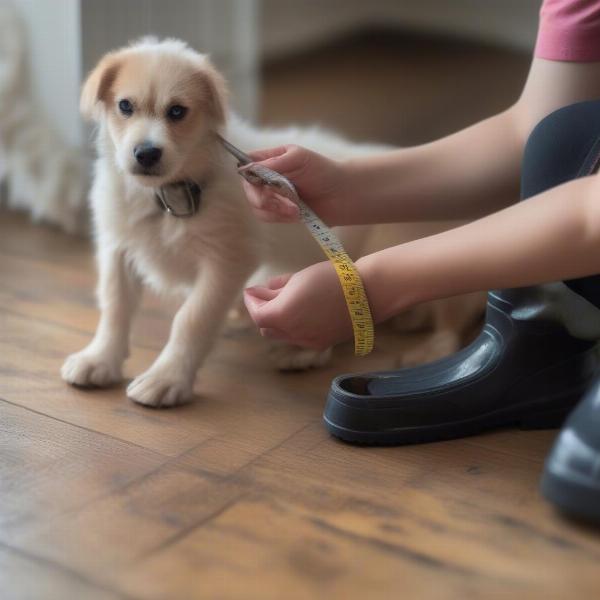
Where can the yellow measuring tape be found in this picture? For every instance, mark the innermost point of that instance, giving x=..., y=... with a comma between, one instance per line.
x=352, y=285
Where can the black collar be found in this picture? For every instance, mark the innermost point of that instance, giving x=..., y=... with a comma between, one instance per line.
x=181, y=199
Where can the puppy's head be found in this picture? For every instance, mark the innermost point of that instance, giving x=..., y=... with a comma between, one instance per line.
x=158, y=100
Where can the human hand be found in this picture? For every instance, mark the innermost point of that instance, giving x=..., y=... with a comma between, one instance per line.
x=305, y=309
x=318, y=181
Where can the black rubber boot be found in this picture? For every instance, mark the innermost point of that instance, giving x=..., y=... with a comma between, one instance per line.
x=571, y=478
x=528, y=367
x=524, y=369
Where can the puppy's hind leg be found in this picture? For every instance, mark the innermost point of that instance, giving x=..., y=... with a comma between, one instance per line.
x=286, y=357
x=101, y=362
x=170, y=379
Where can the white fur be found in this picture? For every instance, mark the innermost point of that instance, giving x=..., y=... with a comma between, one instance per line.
x=206, y=260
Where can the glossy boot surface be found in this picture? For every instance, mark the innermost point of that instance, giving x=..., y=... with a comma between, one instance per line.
x=530, y=364
x=571, y=479
x=524, y=369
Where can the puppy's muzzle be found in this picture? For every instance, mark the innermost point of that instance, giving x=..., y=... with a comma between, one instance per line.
x=147, y=155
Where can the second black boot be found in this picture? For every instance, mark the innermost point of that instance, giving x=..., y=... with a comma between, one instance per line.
x=571, y=479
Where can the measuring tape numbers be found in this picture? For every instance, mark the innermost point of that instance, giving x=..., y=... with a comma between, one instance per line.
x=352, y=285
x=348, y=275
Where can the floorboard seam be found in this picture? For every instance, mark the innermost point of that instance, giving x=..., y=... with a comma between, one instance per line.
x=272, y=448
x=424, y=560
x=70, y=328
x=83, y=428
x=57, y=566
x=523, y=456
x=180, y=535
x=29, y=317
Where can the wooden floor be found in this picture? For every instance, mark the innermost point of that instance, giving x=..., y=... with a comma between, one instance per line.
x=242, y=494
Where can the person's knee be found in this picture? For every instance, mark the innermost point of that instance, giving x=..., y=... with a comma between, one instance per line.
x=558, y=146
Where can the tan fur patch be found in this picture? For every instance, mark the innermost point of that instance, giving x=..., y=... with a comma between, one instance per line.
x=97, y=86
x=154, y=83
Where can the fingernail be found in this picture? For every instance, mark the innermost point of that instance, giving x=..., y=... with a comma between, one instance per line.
x=255, y=290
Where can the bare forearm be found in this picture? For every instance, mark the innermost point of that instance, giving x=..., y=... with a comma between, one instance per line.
x=553, y=236
x=463, y=176
x=466, y=175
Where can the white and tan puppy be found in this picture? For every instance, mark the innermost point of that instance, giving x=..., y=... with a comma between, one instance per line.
x=159, y=107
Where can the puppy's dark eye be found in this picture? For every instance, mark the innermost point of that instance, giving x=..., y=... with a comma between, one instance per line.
x=126, y=107
x=176, y=112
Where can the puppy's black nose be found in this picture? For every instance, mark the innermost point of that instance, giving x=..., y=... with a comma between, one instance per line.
x=147, y=154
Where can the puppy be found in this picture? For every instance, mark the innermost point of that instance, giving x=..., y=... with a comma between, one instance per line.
x=159, y=107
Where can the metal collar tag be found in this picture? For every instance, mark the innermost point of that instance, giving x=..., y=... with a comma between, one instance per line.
x=190, y=192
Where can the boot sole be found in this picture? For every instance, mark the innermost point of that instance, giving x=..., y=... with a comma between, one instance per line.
x=547, y=419
x=545, y=413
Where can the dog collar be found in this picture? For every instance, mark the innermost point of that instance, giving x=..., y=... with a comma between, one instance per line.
x=181, y=199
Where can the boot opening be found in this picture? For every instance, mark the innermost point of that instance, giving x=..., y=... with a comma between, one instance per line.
x=356, y=385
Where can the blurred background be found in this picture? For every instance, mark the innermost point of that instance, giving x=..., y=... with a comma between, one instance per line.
x=396, y=71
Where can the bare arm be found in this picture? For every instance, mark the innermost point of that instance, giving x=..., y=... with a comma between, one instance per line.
x=553, y=236
x=465, y=175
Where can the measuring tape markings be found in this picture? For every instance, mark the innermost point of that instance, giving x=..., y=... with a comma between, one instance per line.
x=348, y=275
x=352, y=285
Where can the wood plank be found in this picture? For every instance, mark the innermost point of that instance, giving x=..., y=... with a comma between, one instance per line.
x=105, y=537
x=105, y=411
x=262, y=547
x=50, y=468
x=424, y=486
x=20, y=237
x=23, y=577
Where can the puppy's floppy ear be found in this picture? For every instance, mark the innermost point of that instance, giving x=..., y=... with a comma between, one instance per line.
x=97, y=86
x=214, y=92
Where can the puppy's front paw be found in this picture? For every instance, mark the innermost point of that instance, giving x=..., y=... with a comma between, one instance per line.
x=159, y=387
x=92, y=369
x=293, y=358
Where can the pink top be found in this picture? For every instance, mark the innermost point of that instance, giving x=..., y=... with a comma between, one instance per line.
x=569, y=30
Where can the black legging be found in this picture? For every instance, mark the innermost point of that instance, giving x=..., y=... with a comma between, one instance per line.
x=564, y=146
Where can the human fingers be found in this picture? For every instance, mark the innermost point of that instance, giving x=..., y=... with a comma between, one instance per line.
x=287, y=160
x=265, y=153
x=277, y=282
x=264, y=198
x=257, y=300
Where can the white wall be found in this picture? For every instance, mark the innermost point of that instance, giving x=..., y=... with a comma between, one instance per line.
x=53, y=36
